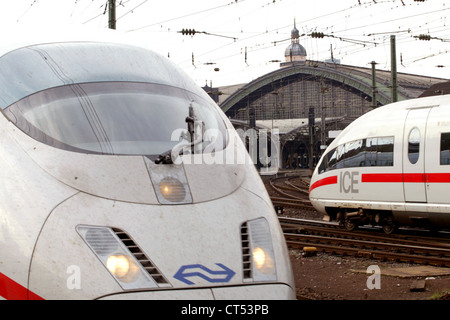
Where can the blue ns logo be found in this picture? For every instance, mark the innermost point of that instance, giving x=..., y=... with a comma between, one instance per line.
x=198, y=270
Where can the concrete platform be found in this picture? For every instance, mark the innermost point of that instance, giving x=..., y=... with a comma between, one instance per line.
x=411, y=272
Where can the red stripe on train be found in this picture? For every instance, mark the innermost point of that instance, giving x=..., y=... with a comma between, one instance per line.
x=323, y=182
x=406, y=177
x=390, y=178
x=11, y=290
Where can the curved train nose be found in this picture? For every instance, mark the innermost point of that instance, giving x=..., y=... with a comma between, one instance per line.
x=115, y=221
x=91, y=248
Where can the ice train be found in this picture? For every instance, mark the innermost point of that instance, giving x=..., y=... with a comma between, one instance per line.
x=94, y=206
x=390, y=167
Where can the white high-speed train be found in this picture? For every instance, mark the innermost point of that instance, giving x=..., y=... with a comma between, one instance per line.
x=107, y=191
x=390, y=167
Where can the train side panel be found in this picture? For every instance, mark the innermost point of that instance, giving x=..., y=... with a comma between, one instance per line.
x=372, y=156
x=410, y=185
x=437, y=165
x=27, y=197
x=426, y=171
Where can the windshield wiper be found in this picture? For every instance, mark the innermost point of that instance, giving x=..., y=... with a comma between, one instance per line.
x=165, y=158
x=190, y=120
x=189, y=139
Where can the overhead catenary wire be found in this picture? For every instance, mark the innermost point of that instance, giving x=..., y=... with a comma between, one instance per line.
x=184, y=16
x=342, y=38
x=356, y=28
x=28, y=8
x=363, y=41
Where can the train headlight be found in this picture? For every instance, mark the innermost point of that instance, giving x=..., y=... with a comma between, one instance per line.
x=116, y=257
x=122, y=267
x=262, y=260
x=170, y=183
x=263, y=257
x=172, y=190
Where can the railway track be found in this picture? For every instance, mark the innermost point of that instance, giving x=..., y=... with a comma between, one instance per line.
x=287, y=188
x=292, y=192
x=292, y=203
x=330, y=238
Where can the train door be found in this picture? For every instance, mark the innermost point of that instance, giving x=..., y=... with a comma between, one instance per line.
x=437, y=149
x=414, y=155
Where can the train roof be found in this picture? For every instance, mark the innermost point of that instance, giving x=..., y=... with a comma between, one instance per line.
x=26, y=36
x=34, y=61
x=383, y=120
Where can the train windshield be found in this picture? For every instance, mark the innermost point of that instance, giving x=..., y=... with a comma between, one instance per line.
x=120, y=118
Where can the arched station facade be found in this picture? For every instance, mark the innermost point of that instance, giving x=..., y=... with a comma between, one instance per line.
x=331, y=93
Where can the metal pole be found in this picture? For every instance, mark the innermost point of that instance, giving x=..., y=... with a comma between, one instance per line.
x=374, y=86
x=112, y=14
x=311, y=124
x=394, y=97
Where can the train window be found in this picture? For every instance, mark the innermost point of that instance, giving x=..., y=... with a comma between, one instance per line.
x=332, y=159
x=121, y=118
x=354, y=154
x=379, y=152
x=368, y=152
x=340, y=157
x=385, y=151
x=413, y=145
x=371, y=152
x=323, y=165
x=445, y=148
x=328, y=161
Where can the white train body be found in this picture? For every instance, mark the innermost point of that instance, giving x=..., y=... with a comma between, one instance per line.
x=391, y=167
x=85, y=211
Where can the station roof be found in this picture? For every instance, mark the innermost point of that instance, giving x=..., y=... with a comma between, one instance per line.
x=437, y=89
x=409, y=85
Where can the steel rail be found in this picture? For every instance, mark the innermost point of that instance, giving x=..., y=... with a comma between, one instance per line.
x=368, y=249
x=328, y=237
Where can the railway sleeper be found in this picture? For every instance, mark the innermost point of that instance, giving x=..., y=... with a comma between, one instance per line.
x=351, y=219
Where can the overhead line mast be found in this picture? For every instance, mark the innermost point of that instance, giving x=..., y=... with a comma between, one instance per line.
x=112, y=14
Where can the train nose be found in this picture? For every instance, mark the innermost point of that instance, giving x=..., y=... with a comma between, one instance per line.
x=92, y=247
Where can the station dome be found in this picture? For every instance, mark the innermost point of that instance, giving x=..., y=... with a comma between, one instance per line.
x=295, y=49
x=295, y=52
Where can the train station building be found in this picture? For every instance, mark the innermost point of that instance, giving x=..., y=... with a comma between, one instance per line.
x=326, y=94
